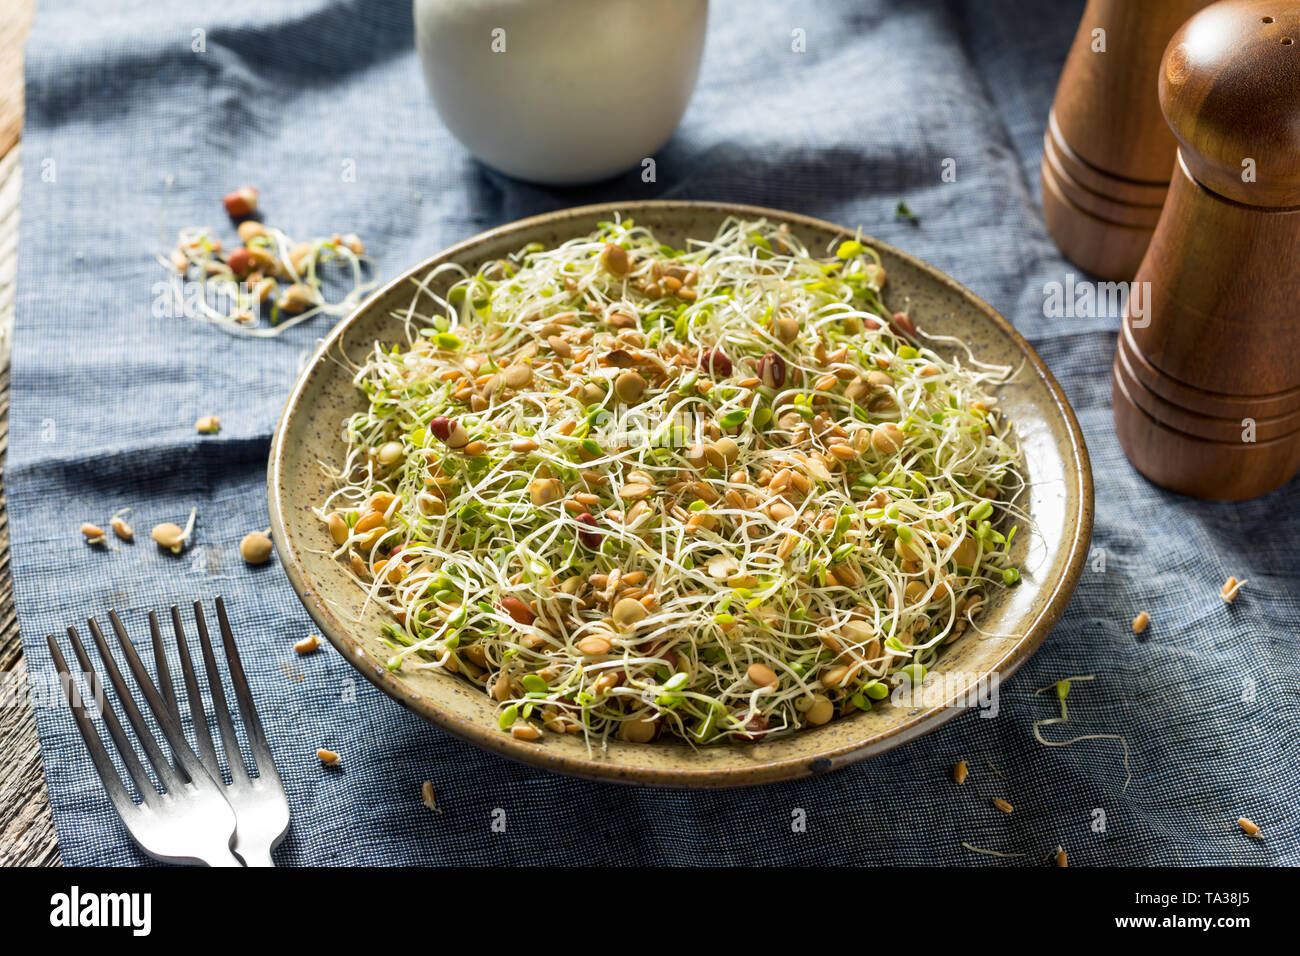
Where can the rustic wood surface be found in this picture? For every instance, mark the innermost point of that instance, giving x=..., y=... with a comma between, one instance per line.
x=26, y=829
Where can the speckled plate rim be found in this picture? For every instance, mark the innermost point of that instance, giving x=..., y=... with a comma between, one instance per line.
x=1074, y=455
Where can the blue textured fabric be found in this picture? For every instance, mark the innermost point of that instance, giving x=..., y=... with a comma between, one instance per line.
x=130, y=135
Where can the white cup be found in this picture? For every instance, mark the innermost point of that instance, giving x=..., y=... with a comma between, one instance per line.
x=561, y=91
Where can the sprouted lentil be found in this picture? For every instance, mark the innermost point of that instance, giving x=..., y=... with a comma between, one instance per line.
x=633, y=490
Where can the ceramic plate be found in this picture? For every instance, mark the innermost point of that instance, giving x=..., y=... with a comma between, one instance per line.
x=1058, y=498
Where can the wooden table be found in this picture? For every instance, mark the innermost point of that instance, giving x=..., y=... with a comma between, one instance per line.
x=26, y=828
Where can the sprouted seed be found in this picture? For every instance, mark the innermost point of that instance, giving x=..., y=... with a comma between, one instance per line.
x=208, y=425
x=1062, y=690
x=255, y=548
x=239, y=287
x=93, y=533
x=1230, y=589
x=428, y=797
x=173, y=537
x=1009, y=856
x=1061, y=858
x=1249, y=827
x=717, y=493
x=308, y=645
x=120, y=528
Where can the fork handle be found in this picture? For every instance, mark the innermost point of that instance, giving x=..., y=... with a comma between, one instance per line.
x=256, y=855
x=219, y=858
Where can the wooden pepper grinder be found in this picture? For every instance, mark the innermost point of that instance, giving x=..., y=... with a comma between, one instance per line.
x=1107, y=153
x=1206, y=380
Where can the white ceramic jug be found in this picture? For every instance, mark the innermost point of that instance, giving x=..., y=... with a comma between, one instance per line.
x=561, y=91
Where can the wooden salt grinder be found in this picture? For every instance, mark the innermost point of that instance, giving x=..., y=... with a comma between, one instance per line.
x=1206, y=384
x=1107, y=152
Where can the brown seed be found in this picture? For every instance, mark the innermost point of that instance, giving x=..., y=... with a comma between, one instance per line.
x=559, y=346
x=834, y=676
x=475, y=448
x=369, y=521
x=521, y=446
x=787, y=329
x=518, y=610
x=724, y=448
x=93, y=533
x=627, y=612
x=296, y=298
x=250, y=229
x=588, y=531
x=169, y=536
x=821, y=711
x=338, y=527
x=518, y=375
x=593, y=646
x=771, y=370
x=638, y=731
x=614, y=259
x=208, y=425
x=427, y=796
x=959, y=772
x=1062, y=858
x=715, y=362
x=389, y=453
x=843, y=452
x=328, y=757
x=887, y=438
x=255, y=548
x=308, y=645
x=523, y=730
x=1141, y=622
x=1250, y=827
x=762, y=675
x=629, y=387
x=635, y=491
x=1003, y=805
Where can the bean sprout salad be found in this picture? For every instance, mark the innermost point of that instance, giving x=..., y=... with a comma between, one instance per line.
x=718, y=493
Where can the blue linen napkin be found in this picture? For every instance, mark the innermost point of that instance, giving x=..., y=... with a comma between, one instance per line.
x=132, y=133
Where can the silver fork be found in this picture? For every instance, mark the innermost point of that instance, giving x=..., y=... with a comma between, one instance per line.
x=189, y=820
x=259, y=802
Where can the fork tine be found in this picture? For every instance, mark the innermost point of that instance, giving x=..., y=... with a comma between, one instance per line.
x=207, y=752
x=166, y=772
x=165, y=687
x=252, y=724
x=117, y=793
x=188, y=760
x=233, y=757
x=143, y=784
x=164, y=673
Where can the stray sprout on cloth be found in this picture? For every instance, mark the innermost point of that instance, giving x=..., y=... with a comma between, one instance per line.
x=631, y=490
x=241, y=291
x=173, y=537
x=1062, y=689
